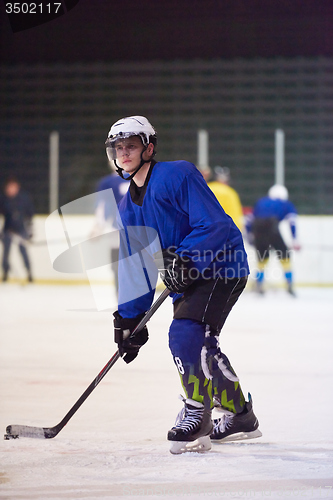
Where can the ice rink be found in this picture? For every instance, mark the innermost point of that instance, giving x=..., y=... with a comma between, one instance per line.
x=54, y=343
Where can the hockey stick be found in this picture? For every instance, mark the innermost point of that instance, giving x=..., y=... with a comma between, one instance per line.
x=16, y=431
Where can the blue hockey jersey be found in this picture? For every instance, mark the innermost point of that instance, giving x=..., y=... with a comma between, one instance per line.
x=119, y=188
x=279, y=209
x=178, y=209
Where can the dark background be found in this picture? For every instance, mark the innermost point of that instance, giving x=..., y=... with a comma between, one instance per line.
x=127, y=30
x=240, y=69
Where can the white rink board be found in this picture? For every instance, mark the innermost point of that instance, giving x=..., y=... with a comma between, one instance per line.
x=312, y=265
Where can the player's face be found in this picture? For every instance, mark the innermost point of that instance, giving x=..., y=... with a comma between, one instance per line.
x=128, y=152
x=12, y=189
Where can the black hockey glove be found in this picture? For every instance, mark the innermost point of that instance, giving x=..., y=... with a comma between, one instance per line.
x=174, y=270
x=122, y=330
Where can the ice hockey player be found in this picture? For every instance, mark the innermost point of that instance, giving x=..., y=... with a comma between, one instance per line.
x=263, y=229
x=17, y=207
x=203, y=264
x=104, y=216
x=226, y=195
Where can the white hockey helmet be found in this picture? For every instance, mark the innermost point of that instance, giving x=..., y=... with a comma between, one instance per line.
x=278, y=192
x=129, y=127
x=222, y=174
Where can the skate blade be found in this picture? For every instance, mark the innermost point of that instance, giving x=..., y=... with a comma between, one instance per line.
x=239, y=436
x=199, y=445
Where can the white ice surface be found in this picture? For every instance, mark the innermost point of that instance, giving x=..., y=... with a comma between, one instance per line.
x=53, y=343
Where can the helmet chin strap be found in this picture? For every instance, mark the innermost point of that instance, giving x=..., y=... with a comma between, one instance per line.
x=120, y=170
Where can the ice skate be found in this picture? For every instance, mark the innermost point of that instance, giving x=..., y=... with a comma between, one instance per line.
x=192, y=429
x=259, y=288
x=291, y=290
x=235, y=427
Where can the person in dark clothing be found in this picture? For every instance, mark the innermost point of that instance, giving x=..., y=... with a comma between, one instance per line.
x=104, y=215
x=17, y=208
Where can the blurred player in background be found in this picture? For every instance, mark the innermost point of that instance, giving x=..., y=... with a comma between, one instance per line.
x=104, y=216
x=226, y=195
x=264, y=233
x=204, y=265
x=206, y=173
x=17, y=208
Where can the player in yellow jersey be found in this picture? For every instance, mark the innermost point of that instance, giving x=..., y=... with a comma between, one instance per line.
x=227, y=196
